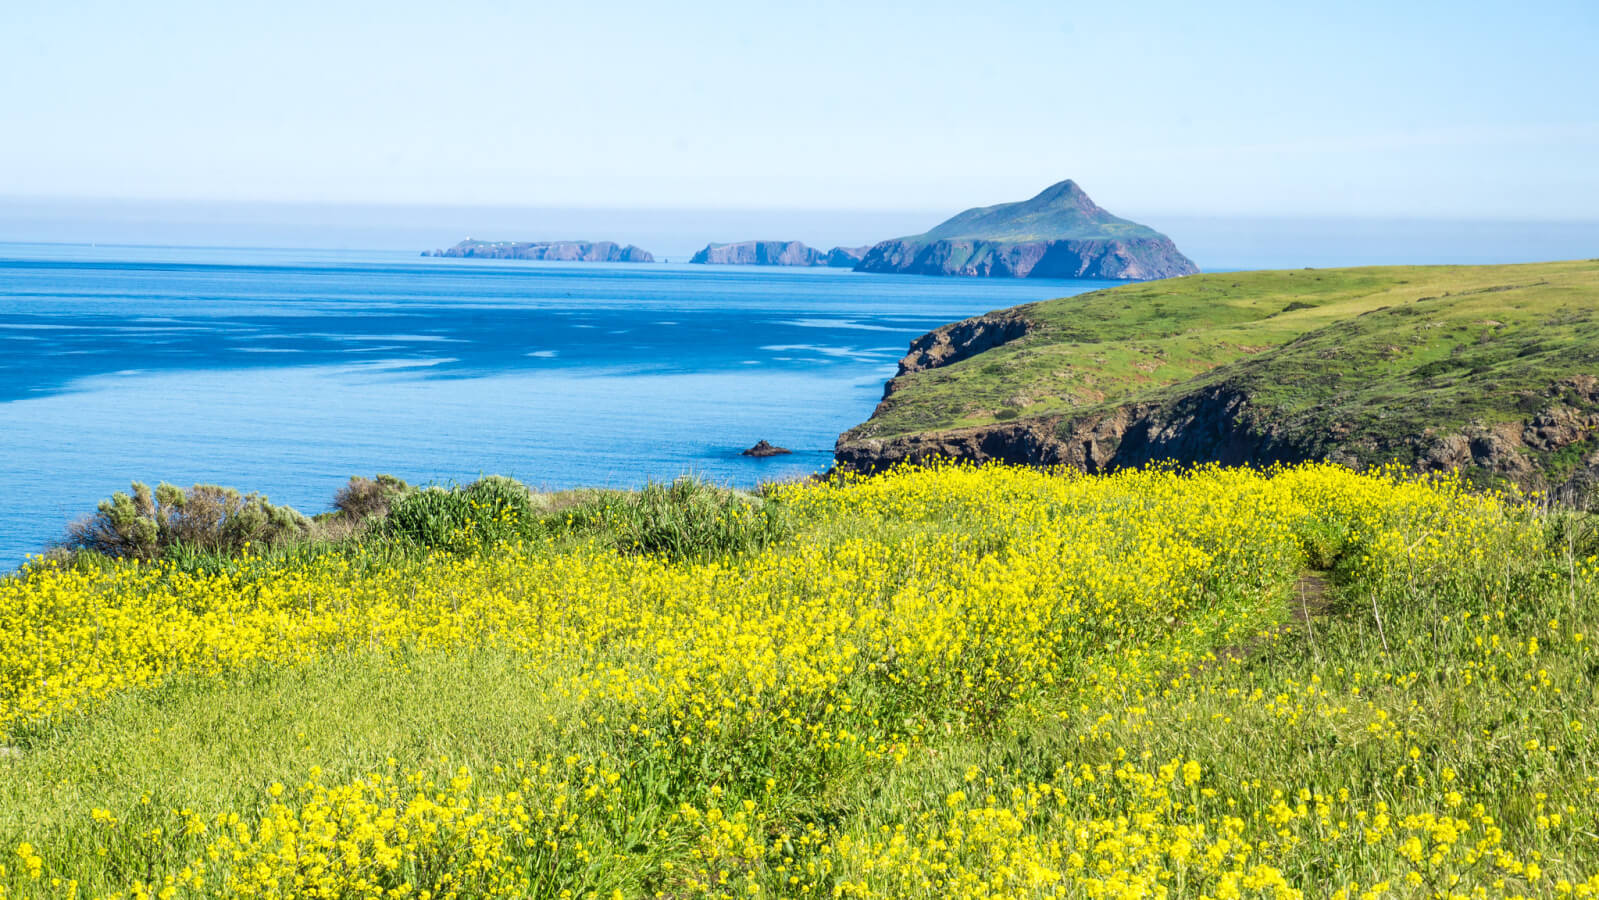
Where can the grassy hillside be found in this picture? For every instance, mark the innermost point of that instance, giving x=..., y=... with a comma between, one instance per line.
x=1397, y=349
x=1059, y=212
x=946, y=682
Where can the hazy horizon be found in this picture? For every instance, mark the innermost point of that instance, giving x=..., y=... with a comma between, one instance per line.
x=1214, y=242
x=1244, y=109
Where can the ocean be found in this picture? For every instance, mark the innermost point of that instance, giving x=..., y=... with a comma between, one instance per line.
x=288, y=371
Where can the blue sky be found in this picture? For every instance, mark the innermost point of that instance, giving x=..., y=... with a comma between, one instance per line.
x=1411, y=109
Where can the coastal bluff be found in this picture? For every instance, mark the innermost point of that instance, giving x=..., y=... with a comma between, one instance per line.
x=1491, y=371
x=553, y=251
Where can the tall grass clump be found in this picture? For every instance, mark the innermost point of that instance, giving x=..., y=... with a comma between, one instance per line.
x=490, y=511
x=686, y=519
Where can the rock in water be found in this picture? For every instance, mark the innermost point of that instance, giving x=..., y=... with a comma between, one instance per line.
x=763, y=448
x=1058, y=234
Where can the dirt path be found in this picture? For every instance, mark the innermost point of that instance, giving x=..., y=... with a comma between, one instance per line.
x=1313, y=596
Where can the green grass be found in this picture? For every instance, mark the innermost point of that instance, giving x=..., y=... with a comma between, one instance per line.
x=1058, y=213
x=1386, y=350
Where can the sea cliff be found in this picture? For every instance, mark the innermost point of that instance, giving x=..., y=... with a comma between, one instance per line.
x=1488, y=370
x=777, y=253
x=559, y=251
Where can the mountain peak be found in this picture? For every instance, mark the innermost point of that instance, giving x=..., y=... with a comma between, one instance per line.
x=1056, y=233
x=1066, y=191
x=1061, y=211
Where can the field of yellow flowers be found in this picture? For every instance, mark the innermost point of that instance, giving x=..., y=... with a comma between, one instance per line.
x=946, y=682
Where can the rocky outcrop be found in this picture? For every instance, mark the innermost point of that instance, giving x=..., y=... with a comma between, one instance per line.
x=560, y=251
x=778, y=253
x=845, y=257
x=1221, y=424
x=1214, y=425
x=957, y=341
x=765, y=448
x=759, y=253
x=1129, y=260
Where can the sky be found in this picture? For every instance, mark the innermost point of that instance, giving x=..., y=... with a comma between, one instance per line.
x=1382, y=109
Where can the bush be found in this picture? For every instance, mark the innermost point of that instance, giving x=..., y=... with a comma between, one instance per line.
x=492, y=510
x=687, y=519
x=207, y=517
x=365, y=499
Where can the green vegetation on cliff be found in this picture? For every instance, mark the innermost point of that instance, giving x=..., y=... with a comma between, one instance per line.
x=1059, y=233
x=1061, y=212
x=1358, y=360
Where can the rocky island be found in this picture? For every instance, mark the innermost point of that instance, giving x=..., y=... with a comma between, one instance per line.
x=764, y=448
x=558, y=251
x=1058, y=234
x=1488, y=370
x=777, y=253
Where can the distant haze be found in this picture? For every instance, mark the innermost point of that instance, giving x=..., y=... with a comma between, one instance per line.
x=1214, y=242
x=1367, y=108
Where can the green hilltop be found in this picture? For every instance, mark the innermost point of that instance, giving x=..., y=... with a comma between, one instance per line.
x=1060, y=212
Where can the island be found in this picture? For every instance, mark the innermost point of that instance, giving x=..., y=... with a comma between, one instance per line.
x=777, y=253
x=1486, y=370
x=558, y=251
x=1060, y=233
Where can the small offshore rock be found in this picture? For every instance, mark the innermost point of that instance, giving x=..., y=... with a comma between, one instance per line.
x=763, y=448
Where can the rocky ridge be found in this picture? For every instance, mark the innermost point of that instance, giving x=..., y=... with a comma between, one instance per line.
x=558, y=251
x=777, y=253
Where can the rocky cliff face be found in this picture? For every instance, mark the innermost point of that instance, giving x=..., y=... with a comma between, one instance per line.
x=777, y=253
x=957, y=341
x=1222, y=424
x=1490, y=370
x=1133, y=259
x=759, y=253
x=845, y=257
x=559, y=251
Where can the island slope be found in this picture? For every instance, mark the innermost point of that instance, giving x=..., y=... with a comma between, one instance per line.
x=1487, y=369
x=1060, y=233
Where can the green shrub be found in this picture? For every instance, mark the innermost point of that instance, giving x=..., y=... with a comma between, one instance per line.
x=492, y=510
x=207, y=517
x=365, y=499
x=687, y=519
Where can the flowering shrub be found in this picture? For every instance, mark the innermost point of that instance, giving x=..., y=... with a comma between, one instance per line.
x=945, y=682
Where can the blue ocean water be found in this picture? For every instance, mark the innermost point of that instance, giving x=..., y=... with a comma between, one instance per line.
x=287, y=371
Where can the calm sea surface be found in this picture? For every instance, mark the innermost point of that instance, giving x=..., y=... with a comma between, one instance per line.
x=287, y=371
